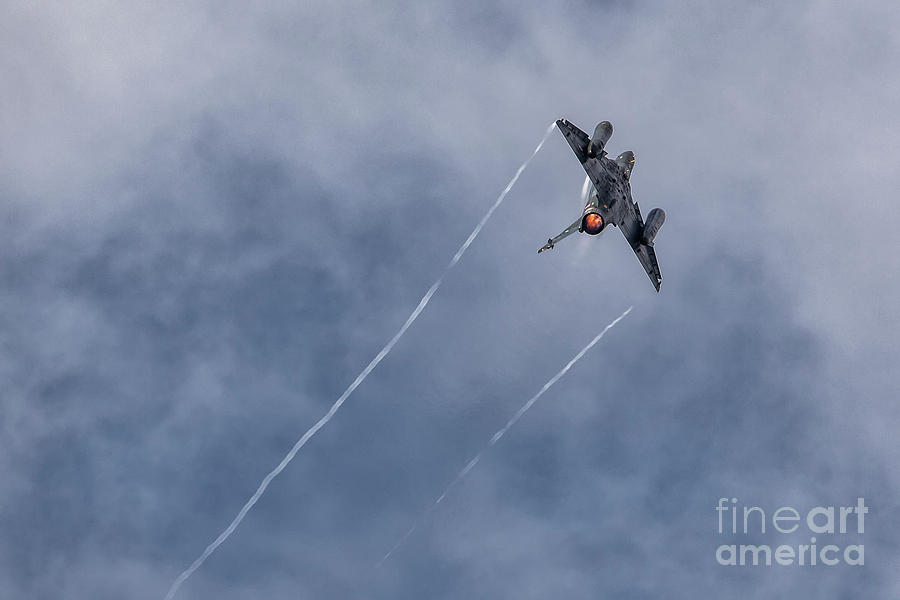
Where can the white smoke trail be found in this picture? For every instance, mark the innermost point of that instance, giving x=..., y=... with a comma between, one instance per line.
x=585, y=188
x=501, y=432
x=499, y=201
x=356, y=382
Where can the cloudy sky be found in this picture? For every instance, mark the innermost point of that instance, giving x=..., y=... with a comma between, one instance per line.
x=214, y=216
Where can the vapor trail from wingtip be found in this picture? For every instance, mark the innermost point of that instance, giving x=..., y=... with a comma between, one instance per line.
x=356, y=382
x=499, y=201
x=501, y=432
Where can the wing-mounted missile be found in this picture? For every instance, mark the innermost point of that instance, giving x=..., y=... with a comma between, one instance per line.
x=654, y=221
x=602, y=133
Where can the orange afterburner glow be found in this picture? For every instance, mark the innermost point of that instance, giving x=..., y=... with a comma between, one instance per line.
x=592, y=224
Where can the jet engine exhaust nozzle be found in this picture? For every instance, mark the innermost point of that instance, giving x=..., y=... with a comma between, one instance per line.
x=592, y=223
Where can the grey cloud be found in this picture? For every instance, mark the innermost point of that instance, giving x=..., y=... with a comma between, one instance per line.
x=213, y=217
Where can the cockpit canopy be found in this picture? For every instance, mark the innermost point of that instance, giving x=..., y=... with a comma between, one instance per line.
x=626, y=162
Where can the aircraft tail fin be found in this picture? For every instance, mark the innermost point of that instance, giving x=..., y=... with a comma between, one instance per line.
x=565, y=233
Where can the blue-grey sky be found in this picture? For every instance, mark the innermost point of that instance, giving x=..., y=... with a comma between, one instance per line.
x=214, y=216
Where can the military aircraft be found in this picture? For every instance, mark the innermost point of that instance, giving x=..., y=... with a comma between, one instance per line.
x=609, y=202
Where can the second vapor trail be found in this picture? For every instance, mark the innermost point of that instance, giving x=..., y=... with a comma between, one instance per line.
x=502, y=431
x=356, y=382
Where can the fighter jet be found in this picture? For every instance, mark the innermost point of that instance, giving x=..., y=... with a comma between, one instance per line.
x=609, y=202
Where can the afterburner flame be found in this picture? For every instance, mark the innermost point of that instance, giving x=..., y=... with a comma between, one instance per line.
x=593, y=223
